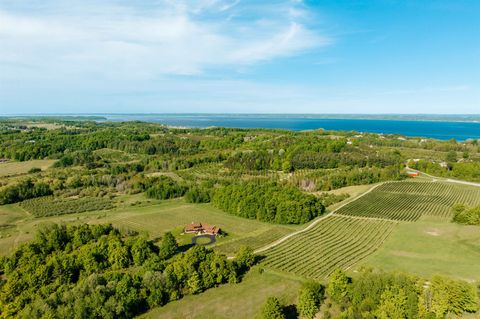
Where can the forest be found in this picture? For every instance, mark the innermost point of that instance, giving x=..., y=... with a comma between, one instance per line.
x=95, y=271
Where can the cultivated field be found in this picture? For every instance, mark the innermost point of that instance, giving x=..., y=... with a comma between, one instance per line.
x=254, y=240
x=334, y=242
x=409, y=200
x=360, y=228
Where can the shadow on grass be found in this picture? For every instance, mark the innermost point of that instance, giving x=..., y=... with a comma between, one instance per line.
x=290, y=312
x=184, y=248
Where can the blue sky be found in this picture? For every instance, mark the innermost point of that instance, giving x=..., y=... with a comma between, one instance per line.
x=282, y=56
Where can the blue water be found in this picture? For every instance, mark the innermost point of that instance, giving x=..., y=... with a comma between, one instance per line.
x=430, y=129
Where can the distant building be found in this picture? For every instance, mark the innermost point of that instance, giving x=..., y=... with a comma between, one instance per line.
x=443, y=164
x=413, y=174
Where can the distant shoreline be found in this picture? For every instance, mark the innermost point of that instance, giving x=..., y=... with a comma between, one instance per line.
x=444, y=127
x=462, y=118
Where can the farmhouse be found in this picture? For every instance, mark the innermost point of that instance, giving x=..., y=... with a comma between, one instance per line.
x=200, y=228
x=413, y=174
x=193, y=228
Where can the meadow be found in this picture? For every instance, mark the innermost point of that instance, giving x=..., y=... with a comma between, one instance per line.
x=237, y=301
x=152, y=218
x=17, y=168
x=430, y=246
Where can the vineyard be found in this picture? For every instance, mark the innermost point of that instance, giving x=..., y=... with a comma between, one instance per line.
x=334, y=242
x=49, y=206
x=254, y=241
x=408, y=201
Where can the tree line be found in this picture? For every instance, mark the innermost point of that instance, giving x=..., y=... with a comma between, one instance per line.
x=23, y=190
x=380, y=295
x=268, y=202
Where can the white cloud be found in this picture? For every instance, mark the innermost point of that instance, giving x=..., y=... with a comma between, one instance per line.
x=168, y=37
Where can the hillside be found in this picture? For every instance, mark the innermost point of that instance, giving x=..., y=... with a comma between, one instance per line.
x=309, y=204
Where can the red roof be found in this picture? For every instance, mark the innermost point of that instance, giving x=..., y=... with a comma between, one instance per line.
x=194, y=227
x=211, y=229
x=198, y=227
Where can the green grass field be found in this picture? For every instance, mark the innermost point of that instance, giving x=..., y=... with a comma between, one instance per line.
x=17, y=168
x=233, y=301
x=431, y=246
x=152, y=217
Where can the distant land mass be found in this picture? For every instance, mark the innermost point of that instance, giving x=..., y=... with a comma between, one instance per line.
x=406, y=117
x=437, y=126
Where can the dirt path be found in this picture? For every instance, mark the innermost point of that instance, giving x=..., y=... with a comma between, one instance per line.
x=462, y=182
x=316, y=221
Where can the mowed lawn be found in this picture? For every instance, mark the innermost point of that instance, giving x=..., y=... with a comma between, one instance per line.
x=233, y=301
x=173, y=215
x=154, y=219
x=429, y=247
x=16, y=168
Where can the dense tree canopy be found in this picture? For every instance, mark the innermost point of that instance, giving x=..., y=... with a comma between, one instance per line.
x=268, y=202
x=466, y=215
x=22, y=190
x=94, y=271
x=375, y=294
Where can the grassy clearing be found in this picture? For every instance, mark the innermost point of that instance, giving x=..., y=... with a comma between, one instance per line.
x=48, y=126
x=16, y=168
x=114, y=155
x=172, y=175
x=154, y=218
x=431, y=246
x=175, y=214
x=353, y=191
x=254, y=240
x=233, y=301
x=10, y=235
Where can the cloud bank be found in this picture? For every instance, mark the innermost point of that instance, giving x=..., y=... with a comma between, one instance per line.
x=147, y=39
